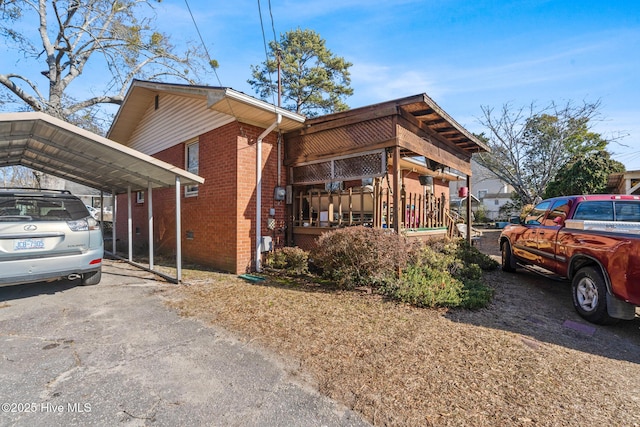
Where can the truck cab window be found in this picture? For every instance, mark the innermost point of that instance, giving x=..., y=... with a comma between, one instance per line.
x=536, y=215
x=594, y=211
x=558, y=213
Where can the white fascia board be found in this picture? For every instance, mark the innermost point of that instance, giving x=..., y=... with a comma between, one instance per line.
x=250, y=100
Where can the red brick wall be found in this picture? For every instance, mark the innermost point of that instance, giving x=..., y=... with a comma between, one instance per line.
x=222, y=215
x=308, y=242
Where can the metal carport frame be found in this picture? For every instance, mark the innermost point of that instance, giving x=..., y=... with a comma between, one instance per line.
x=53, y=146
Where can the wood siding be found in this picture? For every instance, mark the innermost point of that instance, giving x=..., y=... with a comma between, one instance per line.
x=433, y=148
x=177, y=119
x=352, y=138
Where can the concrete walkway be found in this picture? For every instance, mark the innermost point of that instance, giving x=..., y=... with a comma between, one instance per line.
x=113, y=354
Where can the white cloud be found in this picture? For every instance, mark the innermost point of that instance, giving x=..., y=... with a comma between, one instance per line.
x=374, y=83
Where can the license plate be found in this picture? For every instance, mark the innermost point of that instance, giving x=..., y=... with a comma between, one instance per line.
x=24, y=244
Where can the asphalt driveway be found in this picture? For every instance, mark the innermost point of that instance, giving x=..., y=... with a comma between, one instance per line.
x=115, y=354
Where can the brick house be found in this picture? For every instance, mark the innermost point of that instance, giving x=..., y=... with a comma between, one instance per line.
x=368, y=166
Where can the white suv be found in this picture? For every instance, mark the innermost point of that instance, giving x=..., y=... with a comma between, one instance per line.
x=47, y=235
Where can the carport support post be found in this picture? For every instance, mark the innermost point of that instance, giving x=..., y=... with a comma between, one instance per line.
x=129, y=224
x=102, y=209
x=114, y=212
x=178, y=232
x=150, y=228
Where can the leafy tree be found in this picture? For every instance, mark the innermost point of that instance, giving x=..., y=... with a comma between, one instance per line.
x=530, y=145
x=63, y=35
x=587, y=174
x=314, y=80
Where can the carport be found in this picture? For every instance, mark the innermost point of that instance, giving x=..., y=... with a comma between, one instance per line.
x=53, y=146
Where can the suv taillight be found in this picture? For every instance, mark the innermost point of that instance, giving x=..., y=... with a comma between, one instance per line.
x=85, y=224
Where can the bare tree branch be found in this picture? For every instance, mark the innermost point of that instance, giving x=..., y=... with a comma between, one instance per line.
x=529, y=145
x=117, y=33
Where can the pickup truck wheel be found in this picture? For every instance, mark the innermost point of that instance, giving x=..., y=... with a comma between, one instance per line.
x=508, y=263
x=590, y=296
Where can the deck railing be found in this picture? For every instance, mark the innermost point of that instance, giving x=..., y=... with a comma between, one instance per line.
x=370, y=206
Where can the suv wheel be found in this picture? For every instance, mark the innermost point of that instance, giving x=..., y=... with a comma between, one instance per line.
x=91, y=278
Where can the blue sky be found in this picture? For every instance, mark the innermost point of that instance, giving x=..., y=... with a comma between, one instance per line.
x=463, y=54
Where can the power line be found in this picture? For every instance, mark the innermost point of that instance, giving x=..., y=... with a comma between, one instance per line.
x=195, y=24
x=264, y=41
x=273, y=28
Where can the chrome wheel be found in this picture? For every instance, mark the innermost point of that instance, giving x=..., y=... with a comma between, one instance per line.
x=587, y=294
x=589, y=291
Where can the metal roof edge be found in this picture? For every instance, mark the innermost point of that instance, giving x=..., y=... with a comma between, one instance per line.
x=37, y=115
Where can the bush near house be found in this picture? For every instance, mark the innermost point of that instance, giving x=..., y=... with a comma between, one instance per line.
x=361, y=256
x=292, y=260
x=444, y=274
x=437, y=273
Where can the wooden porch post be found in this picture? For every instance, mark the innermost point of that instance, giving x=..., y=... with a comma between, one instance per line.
x=396, y=189
x=469, y=209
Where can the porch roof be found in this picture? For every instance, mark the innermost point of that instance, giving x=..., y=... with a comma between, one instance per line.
x=419, y=107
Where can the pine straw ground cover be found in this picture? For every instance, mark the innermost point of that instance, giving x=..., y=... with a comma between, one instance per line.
x=527, y=360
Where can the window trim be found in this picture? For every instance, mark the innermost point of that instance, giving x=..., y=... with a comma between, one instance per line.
x=191, y=190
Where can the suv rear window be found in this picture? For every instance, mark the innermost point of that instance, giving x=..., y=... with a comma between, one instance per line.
x=19, y=207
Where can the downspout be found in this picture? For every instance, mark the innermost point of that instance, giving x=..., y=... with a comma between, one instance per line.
x=259, y=189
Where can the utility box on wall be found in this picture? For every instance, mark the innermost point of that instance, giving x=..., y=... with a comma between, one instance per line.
x=266, y=244
x=279, y=193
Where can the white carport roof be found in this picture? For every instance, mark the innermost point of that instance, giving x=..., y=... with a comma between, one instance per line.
x=44, y=143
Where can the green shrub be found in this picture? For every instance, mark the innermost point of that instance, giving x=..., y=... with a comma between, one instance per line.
x=357, y=256
x=439, y=273
x=471, y=255
x=426, y=287
x=446, y=274
x=476, y=294
x=291, y=259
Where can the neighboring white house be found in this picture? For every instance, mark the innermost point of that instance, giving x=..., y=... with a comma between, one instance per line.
x=491, y=192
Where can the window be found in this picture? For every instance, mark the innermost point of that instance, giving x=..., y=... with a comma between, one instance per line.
x=140, y=197
x=628, y=211
x=558, y=213
x=482, y=194
x=333, y=186
x=192, y=161
x=595, y=211
x=537, y=214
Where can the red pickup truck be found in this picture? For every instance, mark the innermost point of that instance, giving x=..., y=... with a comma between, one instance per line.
x=594, y=241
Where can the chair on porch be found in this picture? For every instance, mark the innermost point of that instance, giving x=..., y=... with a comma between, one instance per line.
x=475, y=234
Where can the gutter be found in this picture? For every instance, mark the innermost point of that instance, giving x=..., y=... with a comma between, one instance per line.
x=263, y=135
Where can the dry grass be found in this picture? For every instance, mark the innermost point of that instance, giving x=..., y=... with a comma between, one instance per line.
x=511, y=364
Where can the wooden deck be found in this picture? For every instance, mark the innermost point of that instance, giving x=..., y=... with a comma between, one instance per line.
x=316, y=211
